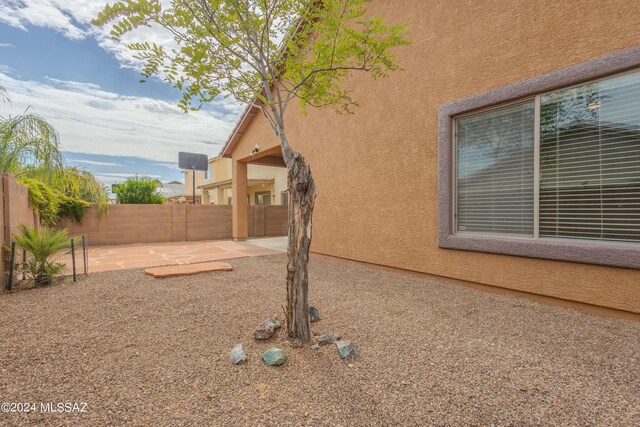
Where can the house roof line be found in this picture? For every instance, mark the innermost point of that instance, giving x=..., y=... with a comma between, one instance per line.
x=245, y=119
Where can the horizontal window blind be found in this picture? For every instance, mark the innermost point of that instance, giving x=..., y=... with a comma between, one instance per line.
x=494, y=171
x=590, y=161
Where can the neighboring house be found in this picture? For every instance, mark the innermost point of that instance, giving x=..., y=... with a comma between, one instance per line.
x=481, y=161
x=188, y=184
x=173, y=191
x=266, y=185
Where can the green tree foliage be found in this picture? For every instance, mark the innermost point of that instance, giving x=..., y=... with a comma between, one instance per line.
x=141, y=190
x=42, y=244
x=267, y=54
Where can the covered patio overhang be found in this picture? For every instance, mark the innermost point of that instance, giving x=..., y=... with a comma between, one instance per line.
x=241, y=147
x=226, y=184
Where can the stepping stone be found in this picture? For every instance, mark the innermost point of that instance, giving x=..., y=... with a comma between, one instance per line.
x=187, y=269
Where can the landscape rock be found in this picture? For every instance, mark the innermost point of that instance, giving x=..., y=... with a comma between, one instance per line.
x=347, y=349
x=314, y=314
x=266, y=329
x=328, y=338
x=315, y=347
x=237, y=355
x=274, y=356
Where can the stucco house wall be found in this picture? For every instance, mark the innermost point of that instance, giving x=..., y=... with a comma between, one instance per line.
x=188, y=183
x=377, y=171
x=279, y=175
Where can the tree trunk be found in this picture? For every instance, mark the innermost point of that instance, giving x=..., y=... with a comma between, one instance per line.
x=302, y=195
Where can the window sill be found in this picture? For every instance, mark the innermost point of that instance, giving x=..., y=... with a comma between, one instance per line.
x=626, y=255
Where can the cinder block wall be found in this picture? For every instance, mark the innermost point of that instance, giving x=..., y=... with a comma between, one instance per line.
x=275, y=220
x=14, y=210
x=15, y=206
x=208, y=222
x=127, y=224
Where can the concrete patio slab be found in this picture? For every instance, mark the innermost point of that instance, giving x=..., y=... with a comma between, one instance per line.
x=143, y=255
x=187, y=269
x=278, y=243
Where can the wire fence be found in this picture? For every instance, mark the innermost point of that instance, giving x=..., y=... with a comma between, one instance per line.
x=72, y=261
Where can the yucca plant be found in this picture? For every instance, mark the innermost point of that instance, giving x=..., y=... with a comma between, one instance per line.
x=42, y=244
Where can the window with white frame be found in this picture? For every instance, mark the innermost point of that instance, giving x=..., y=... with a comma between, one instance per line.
x=562, y=165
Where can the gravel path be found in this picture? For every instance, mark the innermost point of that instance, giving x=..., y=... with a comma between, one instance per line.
x=144, y=351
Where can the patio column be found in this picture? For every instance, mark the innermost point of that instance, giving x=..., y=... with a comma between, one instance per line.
x=239, y=200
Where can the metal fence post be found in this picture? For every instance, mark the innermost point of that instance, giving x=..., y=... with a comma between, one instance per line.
x=73, y=259
x=84, y=255
x=12, y=259
x=24, y=262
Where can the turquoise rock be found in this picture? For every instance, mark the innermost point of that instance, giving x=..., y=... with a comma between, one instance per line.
x=347, y=349
x=237, y=355
x=274, y=356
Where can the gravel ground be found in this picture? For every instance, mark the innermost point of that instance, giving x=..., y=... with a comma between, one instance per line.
x=145, y=351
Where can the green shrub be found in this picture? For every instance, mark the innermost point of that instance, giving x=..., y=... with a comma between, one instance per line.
x=42, y=243
x=73, y=208
x=51, y=204
x=43, y=200
x=138, y=190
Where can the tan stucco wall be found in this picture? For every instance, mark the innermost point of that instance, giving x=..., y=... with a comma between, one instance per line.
x=376, y=172
x=221, y=169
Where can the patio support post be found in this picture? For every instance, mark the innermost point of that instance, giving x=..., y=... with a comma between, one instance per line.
x=239, y=200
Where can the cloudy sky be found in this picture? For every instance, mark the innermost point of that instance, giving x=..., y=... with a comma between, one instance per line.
x=55, y=63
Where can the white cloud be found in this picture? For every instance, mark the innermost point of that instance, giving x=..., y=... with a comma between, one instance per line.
x=6, y=45
x=125, y=175
x=168, y=165
x=59, y=15
x=94, y=162
x=73, y=18
x=91, y=120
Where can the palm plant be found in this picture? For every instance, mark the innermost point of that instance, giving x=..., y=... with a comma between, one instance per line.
x=27, y=139
x=42, y=244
